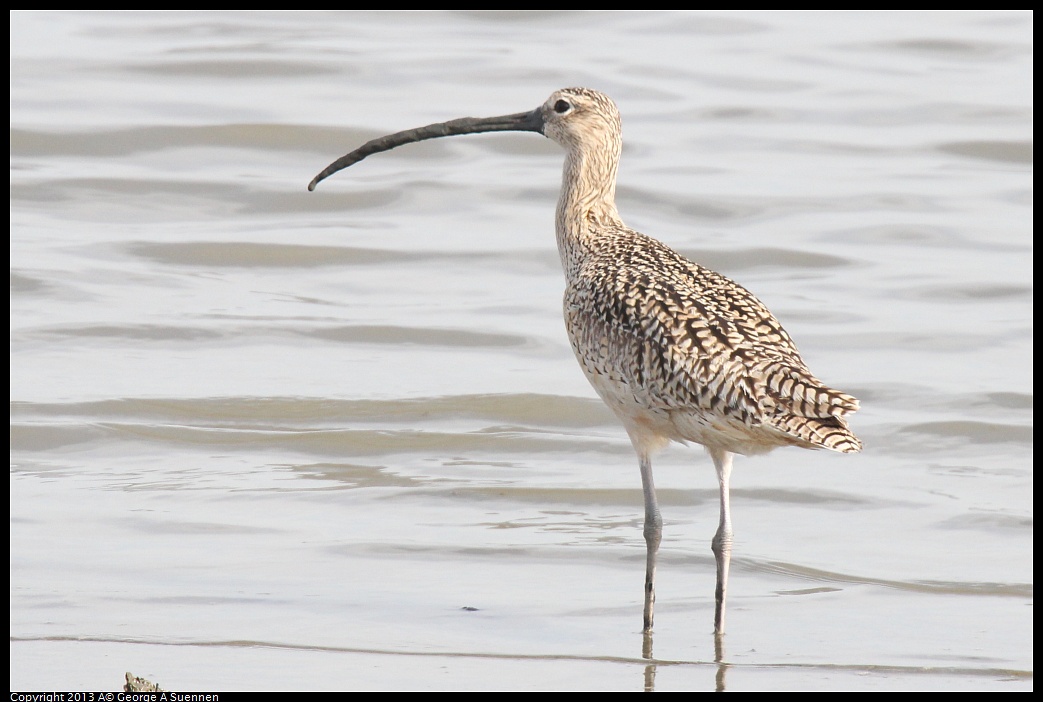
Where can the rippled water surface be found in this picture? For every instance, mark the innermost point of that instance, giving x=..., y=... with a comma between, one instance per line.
x=265, y=438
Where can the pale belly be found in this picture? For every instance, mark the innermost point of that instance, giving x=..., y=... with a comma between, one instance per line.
x=652, y=422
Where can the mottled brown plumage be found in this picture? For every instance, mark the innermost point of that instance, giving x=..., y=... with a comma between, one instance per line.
x=677, y=351
x=659, y=334
x=666, y=342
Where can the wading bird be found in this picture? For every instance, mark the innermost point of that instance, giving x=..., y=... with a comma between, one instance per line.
x=677, y=351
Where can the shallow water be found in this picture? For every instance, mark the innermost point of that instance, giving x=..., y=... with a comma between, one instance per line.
x=269, y=439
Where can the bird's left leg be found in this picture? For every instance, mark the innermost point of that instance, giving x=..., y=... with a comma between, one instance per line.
x=653, y=534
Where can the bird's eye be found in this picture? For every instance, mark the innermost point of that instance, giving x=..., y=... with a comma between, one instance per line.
x=562, y=106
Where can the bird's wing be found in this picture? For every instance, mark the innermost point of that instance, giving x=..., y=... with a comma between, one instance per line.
x=679, y=336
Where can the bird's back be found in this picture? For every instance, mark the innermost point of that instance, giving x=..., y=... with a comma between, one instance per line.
x=682, y=353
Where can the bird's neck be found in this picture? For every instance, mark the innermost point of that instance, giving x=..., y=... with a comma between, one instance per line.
x=587, y=205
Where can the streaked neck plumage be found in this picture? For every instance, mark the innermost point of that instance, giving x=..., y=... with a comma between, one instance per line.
x=587, y=205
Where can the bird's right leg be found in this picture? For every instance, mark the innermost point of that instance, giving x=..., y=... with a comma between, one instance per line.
x=722, y=540
x=653, y=535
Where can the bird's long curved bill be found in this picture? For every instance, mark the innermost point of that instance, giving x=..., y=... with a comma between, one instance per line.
x=521, y=122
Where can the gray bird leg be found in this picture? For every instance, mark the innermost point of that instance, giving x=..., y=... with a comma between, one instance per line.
x=722, y=540
x=653, y=535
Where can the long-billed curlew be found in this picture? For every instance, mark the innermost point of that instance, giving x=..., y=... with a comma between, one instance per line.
x=677, y=352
